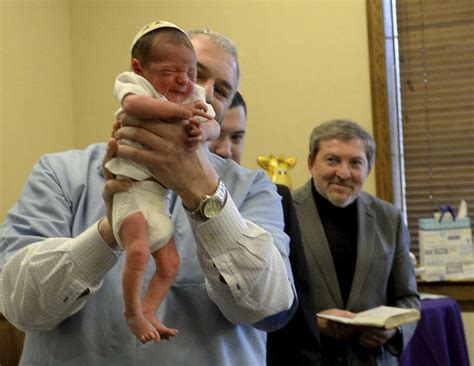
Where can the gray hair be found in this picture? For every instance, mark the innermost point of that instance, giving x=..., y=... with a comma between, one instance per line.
x=220, y=40
x=345, y=129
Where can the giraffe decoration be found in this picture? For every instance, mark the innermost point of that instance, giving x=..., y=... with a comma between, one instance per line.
x=277, y=168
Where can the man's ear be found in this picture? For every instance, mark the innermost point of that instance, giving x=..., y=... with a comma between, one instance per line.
x=368, y=171
x=310, y=162
x=137, y=67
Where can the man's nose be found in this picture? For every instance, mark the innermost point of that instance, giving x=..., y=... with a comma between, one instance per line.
x=343, y=171
x=208, y=86
x=222, y=148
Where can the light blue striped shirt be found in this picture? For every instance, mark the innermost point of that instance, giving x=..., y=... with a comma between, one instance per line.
x=41, y=284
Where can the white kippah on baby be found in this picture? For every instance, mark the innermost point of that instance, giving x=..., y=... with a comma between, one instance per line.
x=151, y=27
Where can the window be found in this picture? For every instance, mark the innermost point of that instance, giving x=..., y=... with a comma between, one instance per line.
x=428, y=60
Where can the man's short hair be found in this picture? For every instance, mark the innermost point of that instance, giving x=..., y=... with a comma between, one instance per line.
x=220, y=40
x=345, y=129
x=238, y=101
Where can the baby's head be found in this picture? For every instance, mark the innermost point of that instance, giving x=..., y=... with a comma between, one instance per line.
x=163, y=54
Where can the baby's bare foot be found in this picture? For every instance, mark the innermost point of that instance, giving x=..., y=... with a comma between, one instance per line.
x=165, y=332
x=142, y=328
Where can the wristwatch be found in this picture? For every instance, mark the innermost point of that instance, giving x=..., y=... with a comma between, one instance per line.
x=211, y=205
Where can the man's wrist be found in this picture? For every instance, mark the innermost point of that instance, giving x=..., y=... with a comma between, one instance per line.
x=210, y=205
x=192, y=200
x=199, y=189
x=395, y=343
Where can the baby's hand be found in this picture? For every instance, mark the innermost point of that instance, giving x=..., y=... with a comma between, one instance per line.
x=195, y=137
x=197, y=108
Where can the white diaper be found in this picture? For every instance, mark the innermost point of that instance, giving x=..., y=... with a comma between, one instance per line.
x=151, y=199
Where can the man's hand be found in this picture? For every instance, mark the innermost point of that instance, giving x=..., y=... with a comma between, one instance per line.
x=111, y=186
x=375, y=337
x=195, y=134
x=188, y=173
x=336, y=330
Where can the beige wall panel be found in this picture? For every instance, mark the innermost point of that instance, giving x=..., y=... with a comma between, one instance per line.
x=36, y=97
x=468, y=321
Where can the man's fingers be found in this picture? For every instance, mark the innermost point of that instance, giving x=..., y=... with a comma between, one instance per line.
x=136, y=134
x=193, y=123
x=127, y=120
x=109, y=154
x=193, y=129
x=113, y=186
x=141, y=156
x=115, y=127
x=371, y=337
x=369, y=342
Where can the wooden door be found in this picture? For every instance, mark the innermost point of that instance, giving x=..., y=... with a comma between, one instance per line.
x=11, y=343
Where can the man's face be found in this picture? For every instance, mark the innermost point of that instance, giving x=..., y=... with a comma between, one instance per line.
x=339, y=170
x=230, y=144
x=216, y=73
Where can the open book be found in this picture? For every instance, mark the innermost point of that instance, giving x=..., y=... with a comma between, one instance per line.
x=381, y=317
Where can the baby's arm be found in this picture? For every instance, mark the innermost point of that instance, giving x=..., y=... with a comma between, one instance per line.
x=145, y=107
x=210, y=130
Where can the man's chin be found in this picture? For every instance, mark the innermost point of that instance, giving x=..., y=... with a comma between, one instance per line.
x=339, y=201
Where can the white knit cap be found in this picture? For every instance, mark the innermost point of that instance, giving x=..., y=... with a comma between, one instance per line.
x=151, y=27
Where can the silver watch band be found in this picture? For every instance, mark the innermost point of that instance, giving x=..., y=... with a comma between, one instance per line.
x=212, y=204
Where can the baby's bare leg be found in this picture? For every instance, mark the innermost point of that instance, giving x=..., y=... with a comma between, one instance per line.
x=167, y=265
x=134, y=235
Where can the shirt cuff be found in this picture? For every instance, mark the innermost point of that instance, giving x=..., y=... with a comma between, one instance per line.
x=92, y=254
x=225, y=228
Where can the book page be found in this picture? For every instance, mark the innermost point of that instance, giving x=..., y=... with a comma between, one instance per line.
x=387, y=316
x=335, y=318
x=381, y=317
x=382, y=312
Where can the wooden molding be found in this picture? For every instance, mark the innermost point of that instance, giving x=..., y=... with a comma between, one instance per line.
x=380, y=112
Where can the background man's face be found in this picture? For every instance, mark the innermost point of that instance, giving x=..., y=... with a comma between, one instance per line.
x=230, y=144
x=339, y=170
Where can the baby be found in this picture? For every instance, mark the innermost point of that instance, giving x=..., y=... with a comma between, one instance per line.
x=164, y=71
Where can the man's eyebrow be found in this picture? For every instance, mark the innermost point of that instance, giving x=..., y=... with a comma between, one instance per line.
x=233, y=133
x=203, y=68
x=226, y=84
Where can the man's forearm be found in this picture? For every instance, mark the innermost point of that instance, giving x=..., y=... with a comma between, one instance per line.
x=256, y=284
x=48, y=281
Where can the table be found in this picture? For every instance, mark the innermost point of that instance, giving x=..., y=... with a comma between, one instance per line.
x=439, y=339
x=461, y=291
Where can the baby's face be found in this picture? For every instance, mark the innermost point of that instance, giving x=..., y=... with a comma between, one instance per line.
x=171, y=69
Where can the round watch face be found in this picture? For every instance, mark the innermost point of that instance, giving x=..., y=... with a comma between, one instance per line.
x=212, y=207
